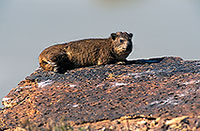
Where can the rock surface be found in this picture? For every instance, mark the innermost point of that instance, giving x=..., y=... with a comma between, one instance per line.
x=154, y=94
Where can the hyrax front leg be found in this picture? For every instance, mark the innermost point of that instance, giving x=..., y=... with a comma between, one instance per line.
x=103, y=61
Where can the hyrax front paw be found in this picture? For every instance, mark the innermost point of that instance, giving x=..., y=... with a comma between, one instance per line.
x=121, y=62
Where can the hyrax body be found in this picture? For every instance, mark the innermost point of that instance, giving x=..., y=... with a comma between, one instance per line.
x=87, y=52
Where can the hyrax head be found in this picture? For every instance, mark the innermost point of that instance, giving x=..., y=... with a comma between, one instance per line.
x=121, y=44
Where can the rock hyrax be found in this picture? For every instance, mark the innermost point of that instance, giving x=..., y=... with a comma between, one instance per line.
x=87, y=52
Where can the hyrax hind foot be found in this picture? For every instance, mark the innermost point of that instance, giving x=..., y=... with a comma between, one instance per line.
x=50, y=66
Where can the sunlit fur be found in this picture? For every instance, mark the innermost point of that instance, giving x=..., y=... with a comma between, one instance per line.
x=87, y=52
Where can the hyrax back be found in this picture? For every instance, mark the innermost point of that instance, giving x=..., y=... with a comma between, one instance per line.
x=87, y=52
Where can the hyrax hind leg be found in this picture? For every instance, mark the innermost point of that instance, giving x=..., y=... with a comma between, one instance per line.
x=57, y=63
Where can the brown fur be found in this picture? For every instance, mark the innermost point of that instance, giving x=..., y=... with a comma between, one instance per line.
x=87, y=52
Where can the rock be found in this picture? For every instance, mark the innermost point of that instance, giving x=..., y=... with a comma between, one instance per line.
x=154, y=94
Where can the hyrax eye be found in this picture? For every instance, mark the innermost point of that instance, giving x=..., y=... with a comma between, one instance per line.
x=121, y=41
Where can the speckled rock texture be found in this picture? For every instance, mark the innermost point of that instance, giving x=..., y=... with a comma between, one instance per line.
x=154, y=94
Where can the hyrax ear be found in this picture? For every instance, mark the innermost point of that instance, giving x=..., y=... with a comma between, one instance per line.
x=113, y=36
x=131, y=35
